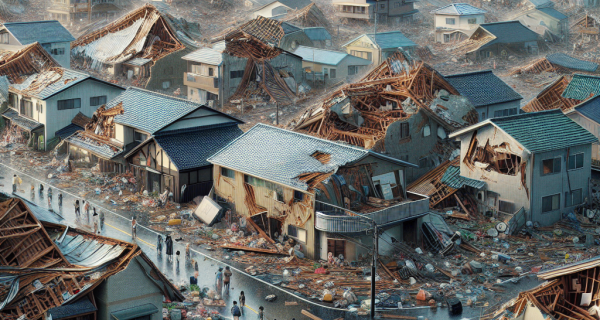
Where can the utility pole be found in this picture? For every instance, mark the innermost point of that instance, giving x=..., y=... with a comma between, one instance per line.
x=374, y=267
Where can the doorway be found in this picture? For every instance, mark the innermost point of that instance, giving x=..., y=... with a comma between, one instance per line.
x=153, y=182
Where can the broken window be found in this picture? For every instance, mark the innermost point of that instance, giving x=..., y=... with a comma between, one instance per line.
x=277, y=191
x=551, y=203
x=551, y=166
x=69, y=104
x=228, y=173
x=576, y=161
x=298, y=196
x=404, y=130
x=97, y=101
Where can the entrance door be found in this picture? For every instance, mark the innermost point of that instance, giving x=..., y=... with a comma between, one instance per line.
x=336, y=247
x=409, y=231
x=153, y=182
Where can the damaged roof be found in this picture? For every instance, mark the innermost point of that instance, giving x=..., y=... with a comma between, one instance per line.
x=317, y=33
x=148, y=110
x=30, y=59
x=453, y=179
x=483, y=88
x=569, y=62
x=47, y=83
x=281, y=155
x=582, y=87
x=212, y=56
x=48, y=31
x=509, y=32
x=94, y=145
x=329, y=57
x=590, y=109
x=23, y=122
x=538, y=132
x=461, y=9
x=387, y=40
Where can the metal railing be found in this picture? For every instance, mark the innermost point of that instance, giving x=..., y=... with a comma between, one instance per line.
x=330, y=218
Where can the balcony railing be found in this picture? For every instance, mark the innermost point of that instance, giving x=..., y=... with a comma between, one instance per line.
x=198, y=81
x=330, y=218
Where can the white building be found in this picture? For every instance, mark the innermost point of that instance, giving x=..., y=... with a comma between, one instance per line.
x=457, y=21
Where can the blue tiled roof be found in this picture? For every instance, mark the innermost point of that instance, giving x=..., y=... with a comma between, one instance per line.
x=452, y=178
x=67, y=131
x=387, y=40
x=509, y=32
x=317, y=33
x=83, y=306
x=567, y=61
x=590, y=109
x=281, y=156
x=191, y=149
x=49, y=31
x=483, y=88
x=545, y=130
x=553, y=13
x=328, y=57
x=582, y=87
x=150, y=111
x=459, y=9
x=21, y=121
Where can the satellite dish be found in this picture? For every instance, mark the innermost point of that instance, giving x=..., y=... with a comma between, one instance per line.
x=501, y=227
x=590, y=213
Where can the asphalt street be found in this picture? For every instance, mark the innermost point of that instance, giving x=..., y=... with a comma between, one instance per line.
x=255, y=289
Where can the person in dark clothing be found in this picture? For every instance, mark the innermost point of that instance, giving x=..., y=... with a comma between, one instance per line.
x=169, y=248
x=60, y=196
x=235, y=311
x=242, y=301
x=159, y=245
x=226, y=280
x=77, y=210
x=95, y=219
x=261, y=313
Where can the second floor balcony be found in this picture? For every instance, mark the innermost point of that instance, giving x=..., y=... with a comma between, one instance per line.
x=330, y=218
x=202, y=82
x=353, y=10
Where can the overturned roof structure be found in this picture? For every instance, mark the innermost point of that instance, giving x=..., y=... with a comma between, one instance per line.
x=30, y=59
x=48, y=265
x=557, y=62
x=565, y=93
x=309, y=16
x=360, y=113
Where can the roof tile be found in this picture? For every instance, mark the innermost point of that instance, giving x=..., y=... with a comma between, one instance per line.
x=483, y=88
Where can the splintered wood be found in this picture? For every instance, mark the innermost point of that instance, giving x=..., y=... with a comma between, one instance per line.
x=29, y=60
x=380, y=98
x=551, y=98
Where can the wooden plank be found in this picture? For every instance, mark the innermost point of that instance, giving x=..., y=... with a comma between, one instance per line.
x=259, y=230
x=36, y=257
x=461, y=204
x=291, y=303
x=310, y=315
x=269, y=251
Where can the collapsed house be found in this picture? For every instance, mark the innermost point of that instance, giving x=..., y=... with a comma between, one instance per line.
x=556, y=62
x=544, y=19
x=455, y=22
x=51, y=270
x=403, y=108
x=145, y=46
x=164, y=141
x=317, y=192
x=47, y=101
x=255, y=68
x=20, y=64
x=526, y=166
x=565, y=93
x=586, y=27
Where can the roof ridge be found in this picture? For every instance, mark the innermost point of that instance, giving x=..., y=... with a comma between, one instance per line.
x=320, y=49
x=166, y=96
x=469, y=73
x=500, y=22
x=526, y=115
x=25, y=22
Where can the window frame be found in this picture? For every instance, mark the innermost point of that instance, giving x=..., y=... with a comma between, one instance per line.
x=332, y=73
x=135, y=136
x=99, y=103
x=554, y=161
x=506, y=202
x=472, y=19
x=557, y=195
x=225, y=173
x=68, y=107
x=404, y=126
x=26, y=108
x=293, y=232
x=453, y=20
x=575, y=161
x=352, y=70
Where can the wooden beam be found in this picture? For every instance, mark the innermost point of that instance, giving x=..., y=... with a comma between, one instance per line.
x=259, y=230
x=22, y=234
x=36, y=257
x=9, y=209
x=310, y=315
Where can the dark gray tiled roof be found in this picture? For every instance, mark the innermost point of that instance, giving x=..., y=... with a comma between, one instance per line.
x=545, y=130
x=483, y=88
x=280, y=155
x=150, y=111
x=67, y=131
x=83, y=306
x=191, y=149
x=567, y=61
x=39, y=31
x=509, y=32
x=590, y=109
x=100, y=149
x=21, y=121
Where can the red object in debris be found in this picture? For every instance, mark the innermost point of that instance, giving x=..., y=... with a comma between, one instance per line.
x=321, y=270
x=536, y=269
x=421, y=296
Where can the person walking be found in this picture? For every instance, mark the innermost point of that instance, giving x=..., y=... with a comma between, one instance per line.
x=219, y=282
x=159, y=245
x=41, y=188
x=261, y=313
x=15, y=183
x=50, y=198
x=60, y=196
x=169, y=249
x=101, y=220
x=133, y=228
x=226, y=279
x=242, y=300
x=95, y=219
x=177, y=261
x=86, y=208
x=235, y=311
x=77, y=210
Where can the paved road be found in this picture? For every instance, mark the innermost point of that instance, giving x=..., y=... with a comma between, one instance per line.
x=117, y=226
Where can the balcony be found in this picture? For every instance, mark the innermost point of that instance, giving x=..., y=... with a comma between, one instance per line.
x=330, y=218
x=201, y=82
x=353, y=11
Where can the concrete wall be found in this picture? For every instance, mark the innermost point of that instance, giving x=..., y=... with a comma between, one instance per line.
x=58, y=119
x=487, y=112
x=127, y=289
x=461, y=22
x=561, y=183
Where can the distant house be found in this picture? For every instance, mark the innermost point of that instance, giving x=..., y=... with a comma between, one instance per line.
x=69, y=11
x=53, y=37
x=277, y=8
x=535, y=164
x=501, y=39
x=327, y=66
x=48, y=101
x=490, y=96
x=395, y=11
x=319, y=36
x=557, y=62
x=120, y=49
x=543, y=18
x=456, y=21
x=307, y=188
x=378, y=47
x=587, y=115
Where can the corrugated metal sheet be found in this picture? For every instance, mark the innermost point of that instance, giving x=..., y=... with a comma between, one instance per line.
x=459, y=9
x=452, y=178
x=205, y=55
x=88, y=252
